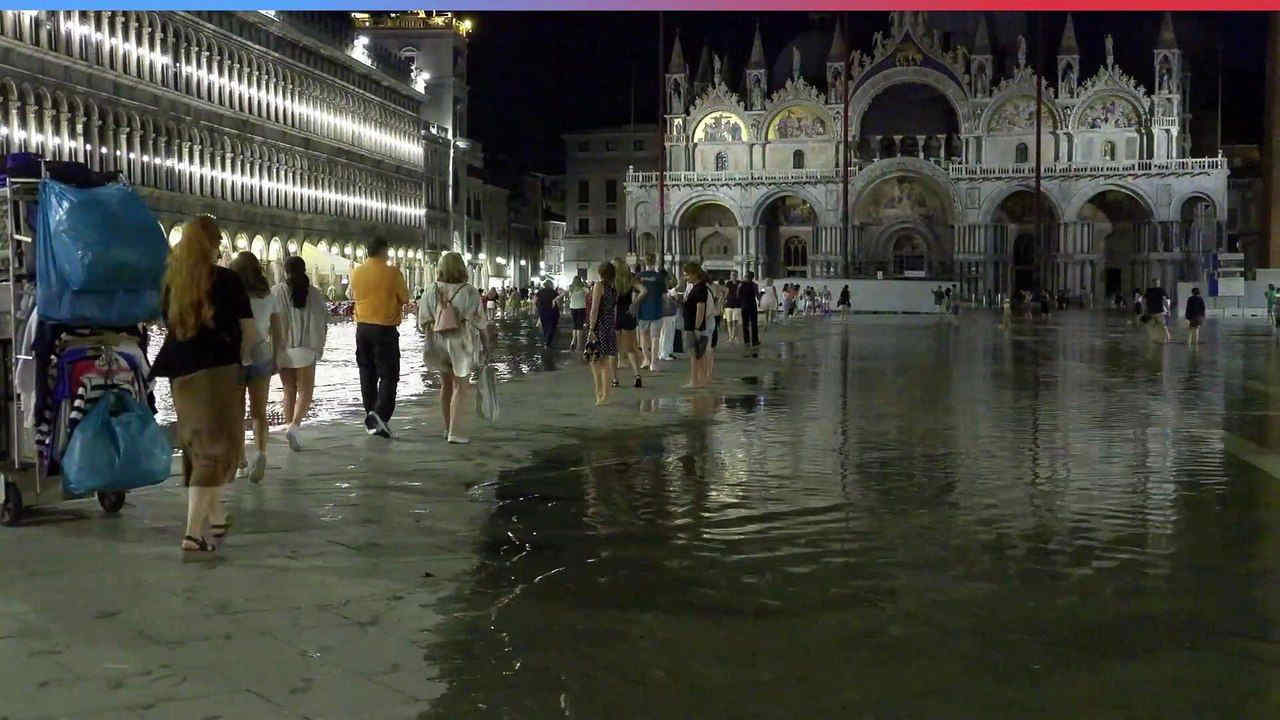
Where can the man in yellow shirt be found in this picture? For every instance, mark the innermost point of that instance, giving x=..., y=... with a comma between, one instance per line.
x=380, y=294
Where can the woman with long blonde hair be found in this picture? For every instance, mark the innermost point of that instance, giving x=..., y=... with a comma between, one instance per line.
x=265, y=356
x=454, y=352
x=210, y=333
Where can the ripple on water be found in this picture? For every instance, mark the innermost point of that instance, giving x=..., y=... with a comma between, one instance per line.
x=907, y=521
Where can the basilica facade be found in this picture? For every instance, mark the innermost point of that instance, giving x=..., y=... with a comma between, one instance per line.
x=941, y=167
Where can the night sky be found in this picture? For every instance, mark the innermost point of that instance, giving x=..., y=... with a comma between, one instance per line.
x=535, y=76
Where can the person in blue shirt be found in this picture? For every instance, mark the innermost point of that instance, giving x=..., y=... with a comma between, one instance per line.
x=649, y=314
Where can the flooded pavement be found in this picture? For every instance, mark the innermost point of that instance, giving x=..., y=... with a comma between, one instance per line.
x=885, y=518
x=909, y=521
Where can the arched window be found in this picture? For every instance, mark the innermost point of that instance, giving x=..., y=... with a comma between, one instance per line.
x=1020, y=154
x=722, y=161
x=795, y=254
x=1108, y=151
x=797, y=160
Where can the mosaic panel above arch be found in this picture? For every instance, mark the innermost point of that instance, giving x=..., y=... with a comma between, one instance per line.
x=720, y=127
x=1108, y=112
x=1018, y=115
x=798, y=123
x=901, y=199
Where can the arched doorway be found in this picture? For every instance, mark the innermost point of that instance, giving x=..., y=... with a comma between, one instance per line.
x=710, y=227
x=1032, y=231
x=902, y=219
x=1122, y=224
x=788, y=224
x=910, y=254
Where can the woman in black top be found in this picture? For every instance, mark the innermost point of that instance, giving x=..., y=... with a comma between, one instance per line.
x=1195, y=316
x=732, y=312
x=210, y=331
x=697, y=325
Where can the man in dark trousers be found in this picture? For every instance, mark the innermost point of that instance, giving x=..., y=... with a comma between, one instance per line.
x=748, y=299
x=547, y=300
x=380, y=294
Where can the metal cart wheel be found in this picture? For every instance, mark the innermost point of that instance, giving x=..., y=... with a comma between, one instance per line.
x=11, y=509
x=111, y=501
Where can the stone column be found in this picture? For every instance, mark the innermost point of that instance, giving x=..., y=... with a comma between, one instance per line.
x=1270, y=255
x=920, y=145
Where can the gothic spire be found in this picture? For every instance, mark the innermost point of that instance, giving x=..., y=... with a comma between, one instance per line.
x=702, y=79
x=677, y=58
x=1167, y=41
x=757, y=51
x=1068, y=45
x=982, y=41
x=838, y=48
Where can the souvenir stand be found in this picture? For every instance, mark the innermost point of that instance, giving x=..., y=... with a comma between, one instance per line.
x=29, y=457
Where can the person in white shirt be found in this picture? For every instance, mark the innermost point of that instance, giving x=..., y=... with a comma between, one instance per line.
x=453, y=352
x=265, y=355
x=306, y=326
x=578, y=309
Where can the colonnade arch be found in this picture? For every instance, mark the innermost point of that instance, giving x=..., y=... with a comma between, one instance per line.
x=163, y=50
x=157, y=151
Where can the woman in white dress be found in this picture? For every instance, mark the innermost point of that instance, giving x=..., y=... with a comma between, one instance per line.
x=265, y=356
x=769, y=302
x=454, y=353
x=306, y=327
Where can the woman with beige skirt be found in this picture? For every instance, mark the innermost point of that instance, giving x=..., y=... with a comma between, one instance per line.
x=457, y=351
x=210, y=333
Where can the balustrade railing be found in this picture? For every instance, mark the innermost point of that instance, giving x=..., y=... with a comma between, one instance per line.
x=955, y=170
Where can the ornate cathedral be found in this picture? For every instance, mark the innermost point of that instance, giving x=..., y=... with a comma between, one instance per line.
x=941, y=163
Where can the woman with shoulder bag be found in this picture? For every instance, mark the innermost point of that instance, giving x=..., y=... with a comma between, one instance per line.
x=306, y=320
x=452, y=319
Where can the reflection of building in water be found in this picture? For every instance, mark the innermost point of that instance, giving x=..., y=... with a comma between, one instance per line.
x=942, y=152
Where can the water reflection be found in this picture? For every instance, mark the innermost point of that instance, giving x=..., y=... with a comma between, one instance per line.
x=909, y=521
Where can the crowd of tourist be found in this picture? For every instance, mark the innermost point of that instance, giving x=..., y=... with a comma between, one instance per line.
x=230, y=332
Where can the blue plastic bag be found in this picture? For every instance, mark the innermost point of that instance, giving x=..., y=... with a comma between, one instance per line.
x=116, y=446
x=100, y=256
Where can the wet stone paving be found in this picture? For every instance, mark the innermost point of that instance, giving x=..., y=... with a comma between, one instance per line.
x=882, y=517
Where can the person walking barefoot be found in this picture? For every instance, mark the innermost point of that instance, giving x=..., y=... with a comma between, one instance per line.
x=628, y=288
x=1195, y=314
x=602, y=330
x=697, y=323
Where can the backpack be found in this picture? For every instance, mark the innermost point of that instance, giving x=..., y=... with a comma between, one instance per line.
x=446, y=317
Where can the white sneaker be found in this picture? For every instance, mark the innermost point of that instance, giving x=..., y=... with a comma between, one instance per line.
x=459, y=440
x=295, y=443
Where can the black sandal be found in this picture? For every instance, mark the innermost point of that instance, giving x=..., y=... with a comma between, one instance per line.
x=201, y=545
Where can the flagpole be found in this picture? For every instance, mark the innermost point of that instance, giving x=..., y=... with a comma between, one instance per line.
x=662, y=149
